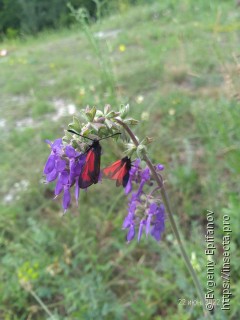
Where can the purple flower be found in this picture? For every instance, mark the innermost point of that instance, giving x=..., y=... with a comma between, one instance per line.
x=64, y=177
x=75, y=166
x=135, y=167
x=58, y=188
x=54, y=163
x=76, y=193
x=145, y=176
x=64, y=164
x=142, y=215
x=159, y=224
x=66, y=198
x=160, y=167
x=56, y=148
x=129, y=219
x=50, y=164
x=128, y=187
x=140, y=230
x=151, y=212
x=134, y=197
x=148, y=224
x=131, y=233
x=71, y=153
x=62, y=183
x=140, y=189
x=132, y=175
x=60, y=164
x=51, y=176
x=153, y=222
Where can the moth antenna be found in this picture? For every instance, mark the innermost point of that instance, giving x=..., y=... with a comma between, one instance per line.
x=78, y=134
x=110, y=136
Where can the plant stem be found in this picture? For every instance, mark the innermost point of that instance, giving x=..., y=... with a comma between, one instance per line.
x=45, y=308
x=171, y=217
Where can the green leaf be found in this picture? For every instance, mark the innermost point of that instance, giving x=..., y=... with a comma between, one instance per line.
x=85, y=130
x=90, y=113
x=131, y=121
x=131, y=148
x=107, y=109
x=68, y=134
x=124, y=135
x=82, y=114
x=112, y=114
x=77, y=122
x=141, y=151
x=97, y=126
x=129, y=152
x=104, y=131
x=99, y=113
x=75, y=145
x=109, y=123
x=75, y=125
x=124, y=111
x=67, y=137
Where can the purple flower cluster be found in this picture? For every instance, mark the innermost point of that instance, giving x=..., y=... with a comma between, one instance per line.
x=144, y=212
x=64, y=165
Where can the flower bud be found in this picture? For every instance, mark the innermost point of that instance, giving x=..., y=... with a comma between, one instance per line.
x=124, y=111
x=147, y=141
x=90, y=113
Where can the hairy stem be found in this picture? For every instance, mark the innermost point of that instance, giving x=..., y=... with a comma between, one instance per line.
x=171, y=217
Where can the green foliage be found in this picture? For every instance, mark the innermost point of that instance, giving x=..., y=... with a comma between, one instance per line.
x=32, y=16
x=24, y=17
x=11, y=33
x=10, y=16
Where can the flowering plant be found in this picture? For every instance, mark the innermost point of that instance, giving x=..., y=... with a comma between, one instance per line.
x=74, y=164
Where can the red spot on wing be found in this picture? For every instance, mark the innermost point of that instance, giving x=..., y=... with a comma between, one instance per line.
x=90, y=159
x=119, y=175
x=119, y=171
x=84, y=178
x=85, y=174
x=109, y=171
x=91, y=169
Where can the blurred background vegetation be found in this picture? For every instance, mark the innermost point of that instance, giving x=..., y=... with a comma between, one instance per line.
x=22, y=17
x=177, y=64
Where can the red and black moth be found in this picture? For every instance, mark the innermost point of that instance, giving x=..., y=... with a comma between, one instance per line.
x=119, y=171
x=91, y=169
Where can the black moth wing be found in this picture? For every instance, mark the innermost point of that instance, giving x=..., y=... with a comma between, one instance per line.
x=128, y=168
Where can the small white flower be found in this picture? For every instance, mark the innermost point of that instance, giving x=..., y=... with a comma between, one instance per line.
x=139, y=99
x=171, y=112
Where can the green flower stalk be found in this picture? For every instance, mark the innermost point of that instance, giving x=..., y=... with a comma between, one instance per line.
x=166, y=202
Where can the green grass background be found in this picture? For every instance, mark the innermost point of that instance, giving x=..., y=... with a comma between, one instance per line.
x=180, y=69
